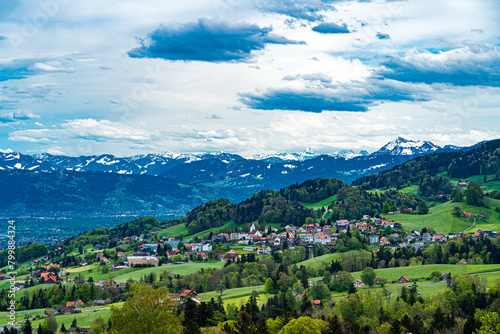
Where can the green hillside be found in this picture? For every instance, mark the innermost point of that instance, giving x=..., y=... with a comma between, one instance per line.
x=442, y=221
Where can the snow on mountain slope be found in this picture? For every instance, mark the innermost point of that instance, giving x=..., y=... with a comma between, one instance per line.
x=402, y=146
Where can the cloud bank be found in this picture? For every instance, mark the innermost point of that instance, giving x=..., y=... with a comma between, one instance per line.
x=208, y=41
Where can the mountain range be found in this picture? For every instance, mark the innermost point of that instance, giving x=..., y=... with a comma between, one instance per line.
x=158, y=164
x=184, y=180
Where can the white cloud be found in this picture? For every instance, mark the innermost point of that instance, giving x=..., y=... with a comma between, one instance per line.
x=186, y=106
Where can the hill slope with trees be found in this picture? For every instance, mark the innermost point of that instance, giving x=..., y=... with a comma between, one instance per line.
x=479, y=161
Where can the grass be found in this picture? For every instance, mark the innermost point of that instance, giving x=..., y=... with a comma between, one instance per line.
x=318, y=260
x=441, y=220
x=323, y=203
x=232, y=293
x=422, y=272
x=413, y=190
x=214, y=230
x=84, y=319
x=121, y=276
x=173, y=231
x=439, y=217
x=177, y=269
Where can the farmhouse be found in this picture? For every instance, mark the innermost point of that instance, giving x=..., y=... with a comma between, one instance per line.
x=358, y=283
x=403, y=279
x=187, y=293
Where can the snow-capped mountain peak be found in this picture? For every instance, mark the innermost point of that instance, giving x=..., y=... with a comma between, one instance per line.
x=403, y=146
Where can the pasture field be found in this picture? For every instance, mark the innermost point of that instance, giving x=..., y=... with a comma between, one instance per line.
x=323, y=203
x=423, y=272
x=441, y=220
x=214, y=230
x=180, y=269
x=316, y=261
x=121, y=276
x=173, y=231
x=84, y=319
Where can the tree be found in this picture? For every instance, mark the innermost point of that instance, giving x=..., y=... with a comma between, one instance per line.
x=386, y=208
x=305, y=277
x=491, y=323
x=63, y=328
x=243, y=324
x=269, y=286
x=382, y=282
x=395, y=327
x=221, y=288
x=456, y=211
x=99, y=326
x=320, y=291
x=74, y=323
x=423, y=209
x=27, y=329
x=153, y=307
x=474, y=194
x=368, y=276
x=302, y=325
x=333, y=325
x=306, y=303
x=51, y=323
x=456, y=195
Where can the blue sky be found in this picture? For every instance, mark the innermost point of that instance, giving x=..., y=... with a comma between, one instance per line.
x=246, y=76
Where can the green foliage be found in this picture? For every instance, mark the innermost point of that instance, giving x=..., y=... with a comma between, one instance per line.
x=302, y=325
x=474, y=194
x=491, y=323
x=269, y=207
x=99, y=326
x=341, y=282
x=368, y=276
x=27, y=252
x=355, y=202
x=423, y=209
x=312, y=190
x=146, y=311
x=457, y=195
x=482, y=160
x=269, y=286
x=211, y=214
x=319, y=291
x=434, y=186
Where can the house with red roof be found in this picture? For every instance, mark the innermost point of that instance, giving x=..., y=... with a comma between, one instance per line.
x=466, y=214
x=439, y=238
x=76, y=304
x=187, y=293
x=358, y=283
x=403, y=279
x=385, y=243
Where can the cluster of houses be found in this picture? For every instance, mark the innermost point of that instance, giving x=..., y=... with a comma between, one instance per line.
x=48, y=274
x=374, y=230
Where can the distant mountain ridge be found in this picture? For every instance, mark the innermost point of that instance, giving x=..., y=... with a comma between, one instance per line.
x=177, y=182
x=158, y=164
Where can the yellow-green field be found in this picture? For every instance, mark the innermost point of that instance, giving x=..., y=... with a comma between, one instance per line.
x=441, y=220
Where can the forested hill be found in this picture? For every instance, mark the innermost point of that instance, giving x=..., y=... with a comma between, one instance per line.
x=481, y=160
x=264, y=208
x=271, y=207
x=312, y=190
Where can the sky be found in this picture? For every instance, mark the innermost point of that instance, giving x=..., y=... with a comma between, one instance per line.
x=128, y=77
